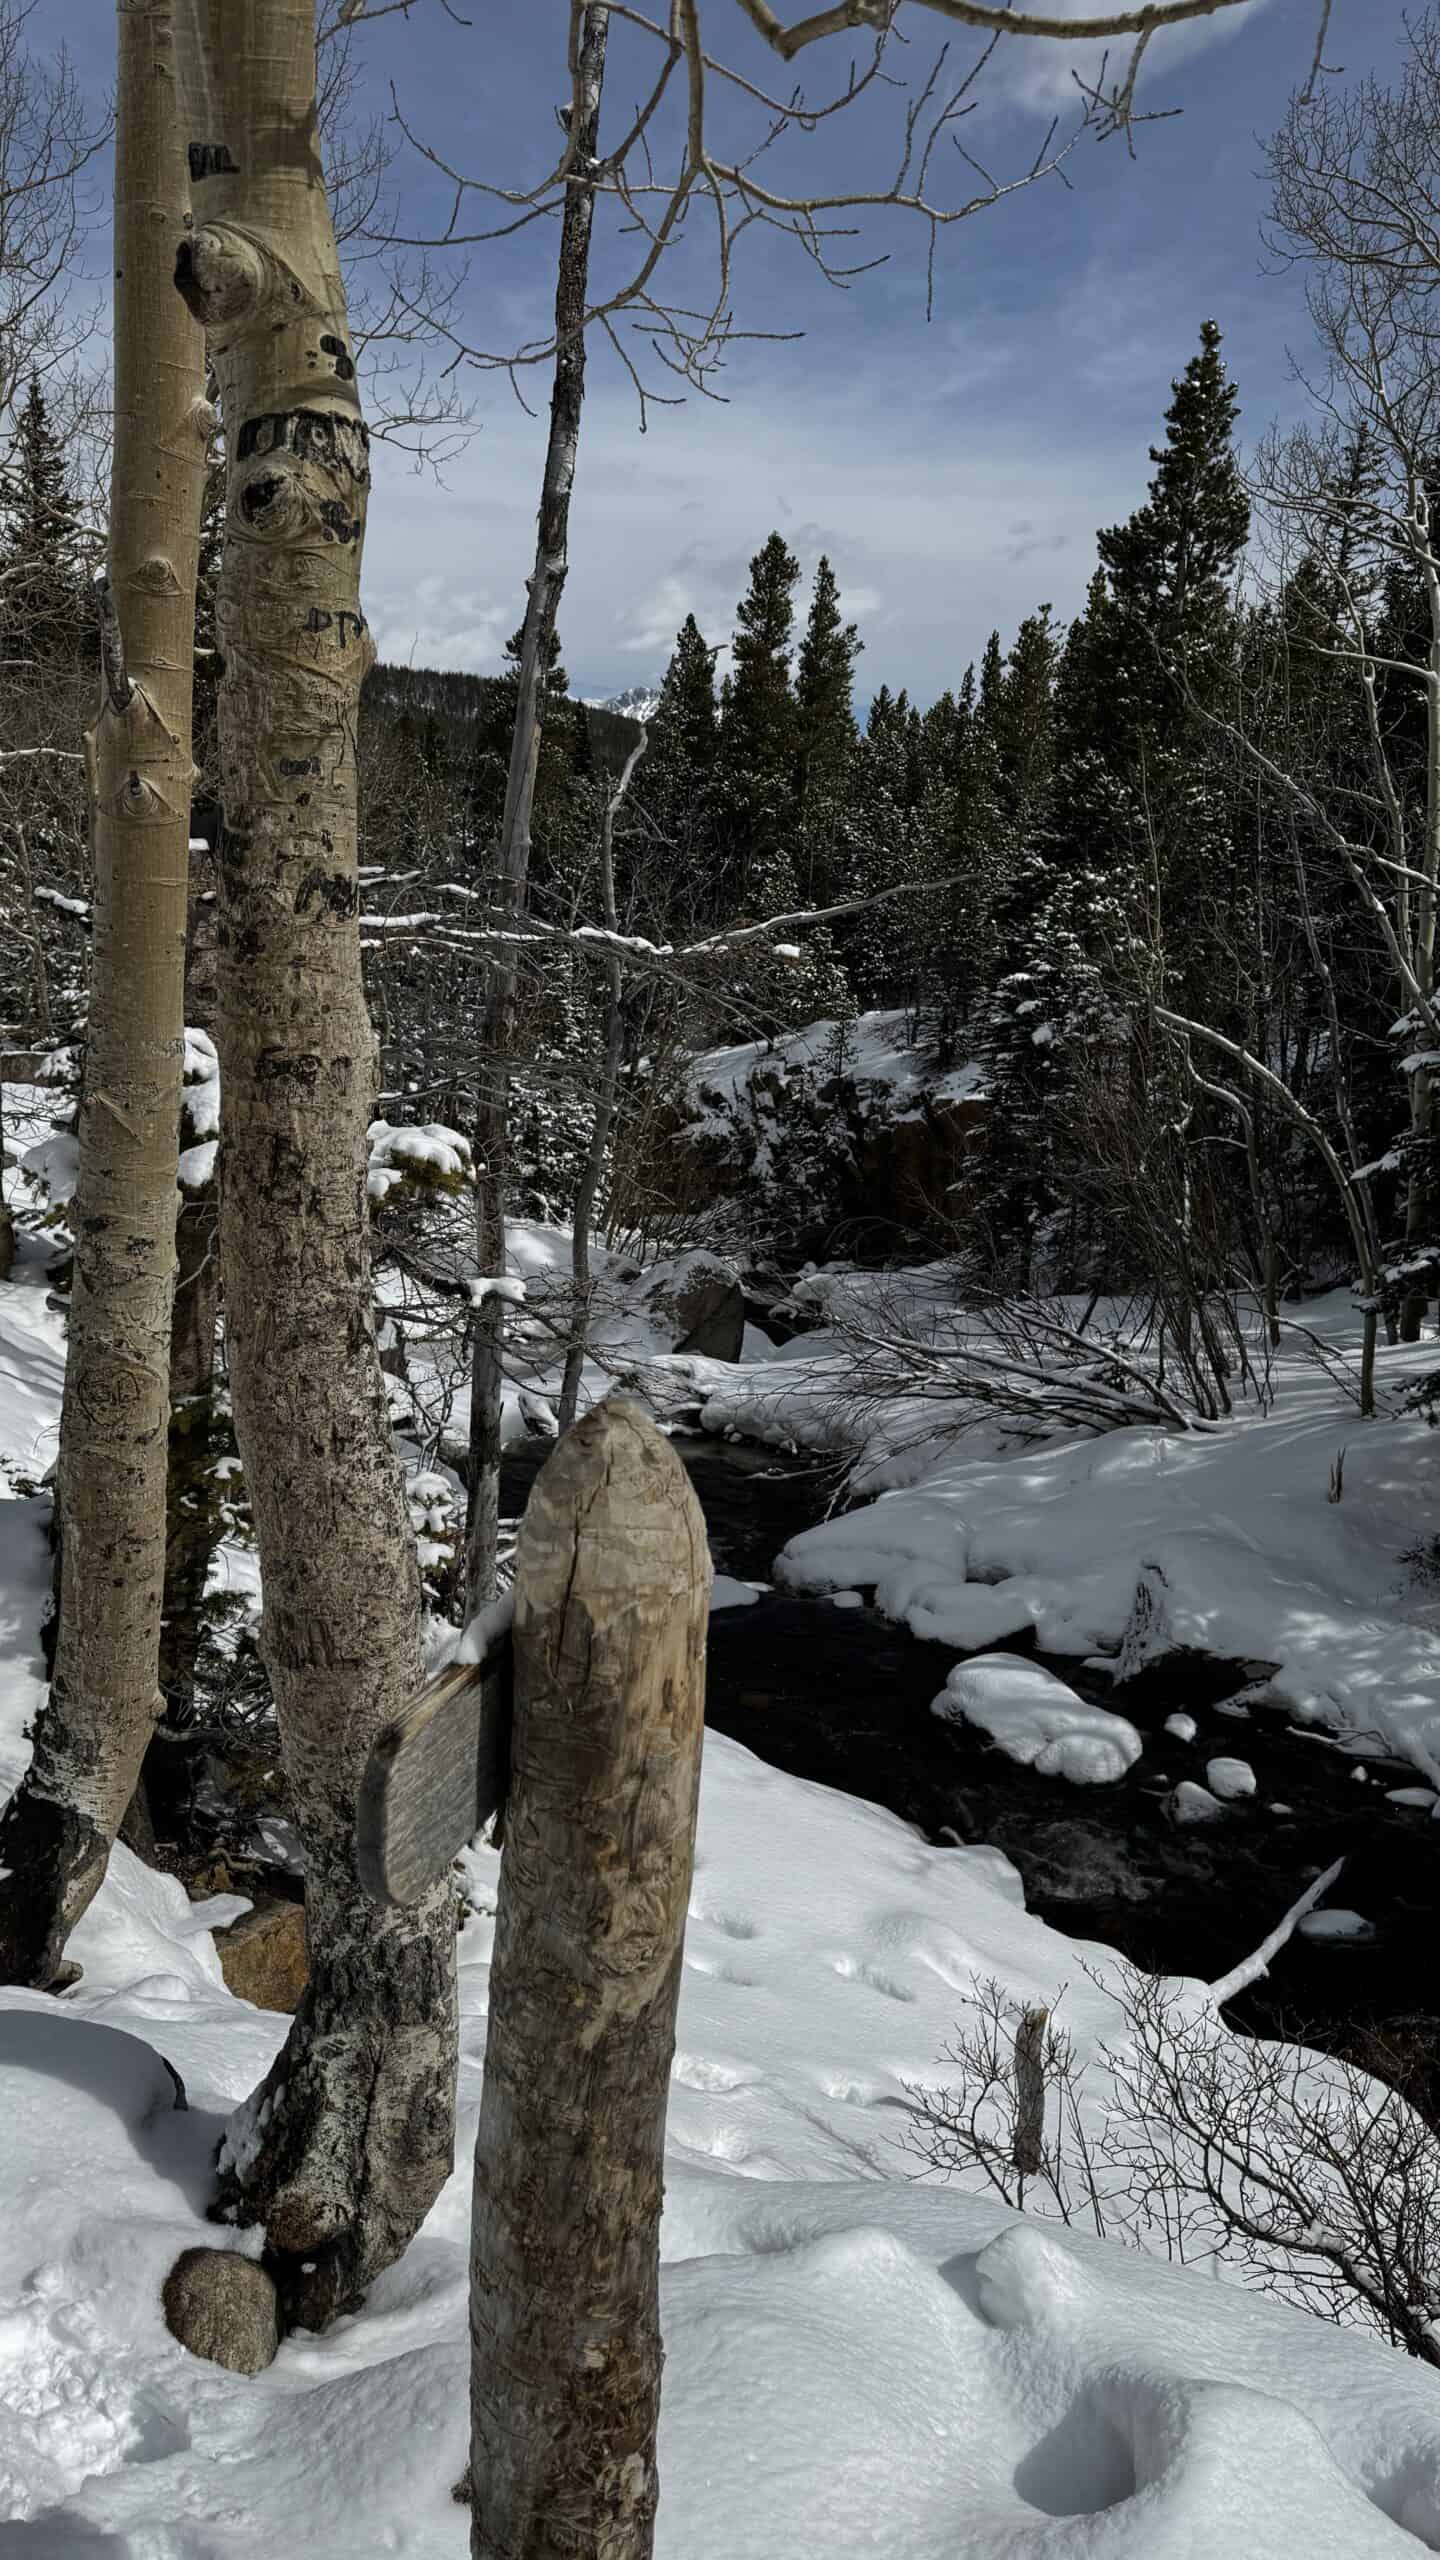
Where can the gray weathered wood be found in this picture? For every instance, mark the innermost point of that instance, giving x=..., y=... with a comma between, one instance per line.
x=611, y=1607
x=434, y=1777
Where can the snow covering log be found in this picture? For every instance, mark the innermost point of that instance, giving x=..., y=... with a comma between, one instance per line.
x=611, y=1609
x=342, y=2152
x=91, y=1736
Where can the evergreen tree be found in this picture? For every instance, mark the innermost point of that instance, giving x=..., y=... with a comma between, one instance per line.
x=1170, y=567
x=757, y=740
x=1023, y=725
x=1143, y=787
x=825, y=739
x=878, y=946
x=41, y=535
x=669, y=859
x=684, y=725
x=490, y=761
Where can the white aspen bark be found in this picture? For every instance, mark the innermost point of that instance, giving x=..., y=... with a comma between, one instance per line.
x=90, y=1737
x=491, y=1142
x=343, y=2150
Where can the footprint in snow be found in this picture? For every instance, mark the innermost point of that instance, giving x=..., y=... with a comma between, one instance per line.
x=731, y=1924
x=851, y=1971
x=716, y=2079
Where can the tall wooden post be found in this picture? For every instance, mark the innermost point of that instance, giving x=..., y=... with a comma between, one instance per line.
x=611, y=1609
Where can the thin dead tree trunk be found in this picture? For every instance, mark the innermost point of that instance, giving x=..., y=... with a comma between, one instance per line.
x=603, y=1120
x=7, y=1223
x=346, y=2146
x=39, y=972
x=491, y=1147
x=1420, y=1195
x=90, y=1738
x=611, y=1601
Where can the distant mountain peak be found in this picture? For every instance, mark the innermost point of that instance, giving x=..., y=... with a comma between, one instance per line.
x=638, y=702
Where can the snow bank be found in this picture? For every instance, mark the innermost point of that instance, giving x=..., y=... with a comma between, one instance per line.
x=1145, y=1542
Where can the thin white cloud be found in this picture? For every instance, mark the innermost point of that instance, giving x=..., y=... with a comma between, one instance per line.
x=919, y=514
x=1040, y=72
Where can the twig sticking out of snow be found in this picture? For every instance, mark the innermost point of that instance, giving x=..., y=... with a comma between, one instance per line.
x=1253, y=1968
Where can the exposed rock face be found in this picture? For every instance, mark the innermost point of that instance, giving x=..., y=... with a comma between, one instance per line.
x=223, y=2307
x=264, y=1958
x=838, y=1137
x=701, y=1297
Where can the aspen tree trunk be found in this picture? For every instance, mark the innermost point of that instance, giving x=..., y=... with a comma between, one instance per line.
x=603, y=1119
x=90, y=1737
x=491, y=1142
x=343, y=2150
x=611, y=1602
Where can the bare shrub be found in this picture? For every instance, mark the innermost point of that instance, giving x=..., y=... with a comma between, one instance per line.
x=1317, y=2182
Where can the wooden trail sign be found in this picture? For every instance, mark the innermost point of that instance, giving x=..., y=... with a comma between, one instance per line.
x=435, y=1777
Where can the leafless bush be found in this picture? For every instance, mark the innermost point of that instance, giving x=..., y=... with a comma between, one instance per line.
x=1036, y=1362
x=1321, y=2184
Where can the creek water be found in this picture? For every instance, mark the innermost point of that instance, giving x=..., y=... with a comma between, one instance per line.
x=843, y=1697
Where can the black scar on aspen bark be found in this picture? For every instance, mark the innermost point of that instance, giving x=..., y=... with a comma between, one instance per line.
x=211, y=160
x=333, y=890
x=282, y=1066
x=259, y=495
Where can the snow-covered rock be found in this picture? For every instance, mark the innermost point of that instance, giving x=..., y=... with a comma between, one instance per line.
x=1337, y=1924
x=1037, y=1721
x=698, y=1300
x=1229, y=1779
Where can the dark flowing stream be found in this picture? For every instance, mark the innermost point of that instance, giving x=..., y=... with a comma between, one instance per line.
x=843, y=1697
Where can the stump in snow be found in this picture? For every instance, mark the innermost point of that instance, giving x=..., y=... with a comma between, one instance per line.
x=610, y=1623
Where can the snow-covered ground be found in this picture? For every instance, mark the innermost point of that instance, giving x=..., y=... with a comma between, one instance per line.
x=860, y=2364
x=856, y=2363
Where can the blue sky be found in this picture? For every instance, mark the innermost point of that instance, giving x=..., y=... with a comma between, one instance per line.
x=954, y=470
